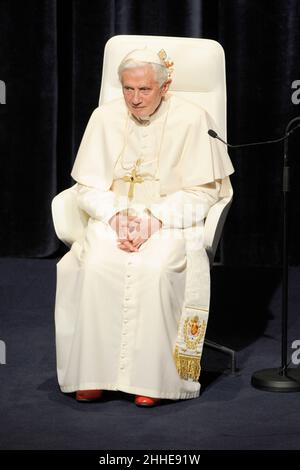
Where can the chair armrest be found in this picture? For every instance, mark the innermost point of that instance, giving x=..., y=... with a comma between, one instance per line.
x=68, y=219
x=214, y=223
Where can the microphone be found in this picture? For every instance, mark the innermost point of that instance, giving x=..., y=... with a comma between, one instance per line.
x=213, y=134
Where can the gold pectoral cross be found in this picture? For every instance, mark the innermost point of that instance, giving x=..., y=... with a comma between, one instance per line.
x=133, y=179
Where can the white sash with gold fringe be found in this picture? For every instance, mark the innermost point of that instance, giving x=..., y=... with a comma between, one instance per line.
x=193, y=321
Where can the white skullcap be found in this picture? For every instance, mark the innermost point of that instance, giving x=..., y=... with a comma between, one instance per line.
x=144, y=55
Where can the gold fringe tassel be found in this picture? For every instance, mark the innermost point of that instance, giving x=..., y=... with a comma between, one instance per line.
x=188, y=367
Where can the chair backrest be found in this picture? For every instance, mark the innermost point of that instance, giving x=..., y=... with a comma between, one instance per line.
x=199, y=70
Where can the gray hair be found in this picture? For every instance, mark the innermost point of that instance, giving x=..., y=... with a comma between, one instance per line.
x=161, y=72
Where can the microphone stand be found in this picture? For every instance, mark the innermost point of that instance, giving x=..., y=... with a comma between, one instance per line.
x=283, y=379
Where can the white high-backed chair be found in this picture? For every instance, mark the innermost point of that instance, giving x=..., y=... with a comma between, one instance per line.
x=199, y=76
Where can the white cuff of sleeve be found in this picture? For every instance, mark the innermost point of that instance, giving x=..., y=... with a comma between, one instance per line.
x=181, y=210
x=100, y=205
x=169, y=212
x=122, y=204
x=117, y=205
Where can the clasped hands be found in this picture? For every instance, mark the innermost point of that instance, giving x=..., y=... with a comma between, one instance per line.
x=132, y=230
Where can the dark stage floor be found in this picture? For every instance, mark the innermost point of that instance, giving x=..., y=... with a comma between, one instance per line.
x=229, y=414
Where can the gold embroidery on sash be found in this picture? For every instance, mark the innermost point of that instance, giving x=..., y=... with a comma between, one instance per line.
x=187, y=353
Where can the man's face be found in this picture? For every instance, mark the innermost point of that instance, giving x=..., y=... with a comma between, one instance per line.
x=141, y=91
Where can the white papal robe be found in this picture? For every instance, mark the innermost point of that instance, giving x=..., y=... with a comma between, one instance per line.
x=117, y=313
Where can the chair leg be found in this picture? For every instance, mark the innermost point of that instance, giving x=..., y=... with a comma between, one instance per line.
x=226, y=350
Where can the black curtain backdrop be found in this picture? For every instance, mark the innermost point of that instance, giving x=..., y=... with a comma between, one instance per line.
x=50, y=61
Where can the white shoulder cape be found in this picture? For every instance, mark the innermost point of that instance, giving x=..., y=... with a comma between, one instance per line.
x=189, y=156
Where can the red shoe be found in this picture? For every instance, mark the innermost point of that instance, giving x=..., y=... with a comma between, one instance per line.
x=146, y=401
x=88, y=395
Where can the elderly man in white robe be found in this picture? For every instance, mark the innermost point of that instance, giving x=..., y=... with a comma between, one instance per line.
x=132, y=296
